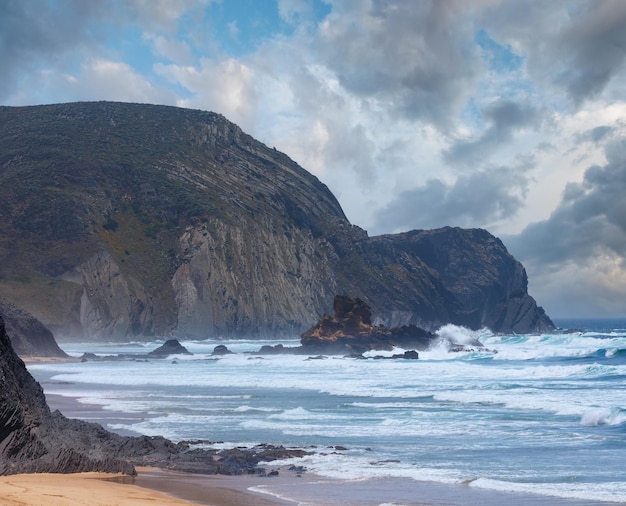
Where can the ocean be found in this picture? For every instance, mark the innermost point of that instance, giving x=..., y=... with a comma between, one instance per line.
x=540, y=414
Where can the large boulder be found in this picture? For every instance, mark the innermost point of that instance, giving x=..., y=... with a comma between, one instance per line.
x=170, y=347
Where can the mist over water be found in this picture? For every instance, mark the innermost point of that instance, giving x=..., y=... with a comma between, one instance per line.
x=535, y=413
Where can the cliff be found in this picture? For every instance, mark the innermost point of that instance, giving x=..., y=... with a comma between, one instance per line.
x=123, y=221
x=29, y=337
x=34, y=440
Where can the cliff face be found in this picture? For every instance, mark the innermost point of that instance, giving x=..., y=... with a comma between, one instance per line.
x=29, y=337
x=126, y=220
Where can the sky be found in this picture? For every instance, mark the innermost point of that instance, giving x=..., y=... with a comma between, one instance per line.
x=507, y=115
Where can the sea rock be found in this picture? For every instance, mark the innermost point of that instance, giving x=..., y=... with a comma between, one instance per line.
x=170, y=347
x=221, y=350
x=351, y=332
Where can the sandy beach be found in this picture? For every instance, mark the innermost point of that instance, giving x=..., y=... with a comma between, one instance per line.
x=152, y=486
x=96, y=489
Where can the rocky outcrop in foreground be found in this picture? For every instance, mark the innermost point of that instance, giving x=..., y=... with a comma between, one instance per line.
x=35, y=440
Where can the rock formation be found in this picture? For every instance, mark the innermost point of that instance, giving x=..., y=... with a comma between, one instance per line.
x=169, y=347
x=138, y=221
x=29, y=337
x=350, y=331
x=34, y=440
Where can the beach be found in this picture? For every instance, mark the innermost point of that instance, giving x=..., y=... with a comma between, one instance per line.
x=152, y=486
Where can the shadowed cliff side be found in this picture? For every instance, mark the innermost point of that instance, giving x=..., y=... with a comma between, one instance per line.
x=34, y=440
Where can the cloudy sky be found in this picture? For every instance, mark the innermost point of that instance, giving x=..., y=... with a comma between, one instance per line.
x=504, y=115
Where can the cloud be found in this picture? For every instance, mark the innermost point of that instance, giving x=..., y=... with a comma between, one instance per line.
x=473, y=200
x=226, y=86
x=587, y=231
x=101, y=79
x=597, y=134
x=414, y=57
x=39, y=31
x=164, y=15
x=577, y=47
x=505, y=118
x=593, y=48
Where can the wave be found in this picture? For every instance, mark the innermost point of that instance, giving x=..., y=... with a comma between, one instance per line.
x=603, y=416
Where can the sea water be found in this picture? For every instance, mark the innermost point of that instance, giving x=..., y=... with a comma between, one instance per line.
x=544, y=414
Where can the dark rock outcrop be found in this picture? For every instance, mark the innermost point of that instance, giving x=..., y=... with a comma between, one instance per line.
x=169, y=347
x=35, y=440
x=29, y=337
x=221, y=350
x=136, y=220
x=350, y=331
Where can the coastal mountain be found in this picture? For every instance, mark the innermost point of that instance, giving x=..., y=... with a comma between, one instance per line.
x=124, y=221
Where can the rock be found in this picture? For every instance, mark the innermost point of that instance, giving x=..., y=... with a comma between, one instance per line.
x=350, y=331
x=277, y=349
x=220, y=350
x=29, y=337
x=170, y=347
x=408, y=355
x=34, y=440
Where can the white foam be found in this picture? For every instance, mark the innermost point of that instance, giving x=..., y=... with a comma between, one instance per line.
x=612, y=492
x=603, y=416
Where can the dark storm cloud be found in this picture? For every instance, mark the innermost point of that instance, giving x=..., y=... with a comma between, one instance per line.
x=417, y=57
x=590, y=219
x=504, y=118
x=472, y=201
x=594, y=48
x=578, y=46
x=596, y=135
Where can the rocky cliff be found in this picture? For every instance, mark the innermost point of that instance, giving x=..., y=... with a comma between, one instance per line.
x=34, y=440
x=125, y=221
x=29, y=337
